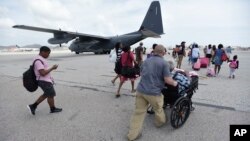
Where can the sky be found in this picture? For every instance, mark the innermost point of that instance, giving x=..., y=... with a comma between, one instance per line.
x=201, y=21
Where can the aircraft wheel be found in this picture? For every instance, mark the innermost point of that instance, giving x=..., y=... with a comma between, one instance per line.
x=77, y=52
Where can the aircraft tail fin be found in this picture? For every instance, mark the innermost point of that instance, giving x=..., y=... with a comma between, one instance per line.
x=153, y=21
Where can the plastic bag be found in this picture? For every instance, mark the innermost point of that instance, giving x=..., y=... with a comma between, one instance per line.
x=112, y=56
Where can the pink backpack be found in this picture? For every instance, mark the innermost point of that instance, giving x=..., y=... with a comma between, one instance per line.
x=233, y=64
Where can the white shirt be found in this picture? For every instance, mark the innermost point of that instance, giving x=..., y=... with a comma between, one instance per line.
x=209, y=51
x=195, y=52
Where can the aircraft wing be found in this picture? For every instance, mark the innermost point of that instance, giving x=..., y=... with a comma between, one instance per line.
x=82, y=35
x=54, y=31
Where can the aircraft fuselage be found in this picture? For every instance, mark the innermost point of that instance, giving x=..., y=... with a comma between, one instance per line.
x=103, y=47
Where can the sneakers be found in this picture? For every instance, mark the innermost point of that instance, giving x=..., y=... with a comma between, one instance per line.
x=31, y=108
x=55, y=110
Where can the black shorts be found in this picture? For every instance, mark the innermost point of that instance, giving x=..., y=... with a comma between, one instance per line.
x=48, y=88
x=209, y=55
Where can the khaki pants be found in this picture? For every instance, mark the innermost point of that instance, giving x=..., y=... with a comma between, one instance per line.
x=141, y=105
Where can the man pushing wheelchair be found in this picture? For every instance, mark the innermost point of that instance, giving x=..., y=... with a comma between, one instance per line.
x=155, y=73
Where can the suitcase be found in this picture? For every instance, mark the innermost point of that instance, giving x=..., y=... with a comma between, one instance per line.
x=204, y=62
x=197, y=65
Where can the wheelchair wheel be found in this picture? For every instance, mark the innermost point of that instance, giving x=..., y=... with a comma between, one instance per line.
x=180, y=112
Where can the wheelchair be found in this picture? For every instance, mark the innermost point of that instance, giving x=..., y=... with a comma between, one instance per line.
x=180, y=103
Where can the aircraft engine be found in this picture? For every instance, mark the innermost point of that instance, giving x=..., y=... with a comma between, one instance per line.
x=59, y=41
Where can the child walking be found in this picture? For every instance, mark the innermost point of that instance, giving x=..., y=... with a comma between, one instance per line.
x=233, y=65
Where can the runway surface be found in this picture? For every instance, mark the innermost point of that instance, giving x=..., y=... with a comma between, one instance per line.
x=92, y=113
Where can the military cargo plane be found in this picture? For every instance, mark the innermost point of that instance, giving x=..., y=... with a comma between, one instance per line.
x=151, y=27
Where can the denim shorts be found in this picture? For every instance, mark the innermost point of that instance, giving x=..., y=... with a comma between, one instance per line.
x=48, y=88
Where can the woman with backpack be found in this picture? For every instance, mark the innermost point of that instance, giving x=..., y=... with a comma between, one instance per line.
x=233, y=65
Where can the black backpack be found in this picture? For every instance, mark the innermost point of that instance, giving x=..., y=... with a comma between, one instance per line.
x=29, y=78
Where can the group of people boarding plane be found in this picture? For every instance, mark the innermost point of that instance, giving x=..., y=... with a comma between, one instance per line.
x=212, y=56
x=155, y=72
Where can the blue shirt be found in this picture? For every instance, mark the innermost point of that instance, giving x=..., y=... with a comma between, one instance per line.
x=217, y=58
x=153, y=71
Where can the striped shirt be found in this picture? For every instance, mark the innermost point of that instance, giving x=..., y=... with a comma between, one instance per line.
x=118, y=54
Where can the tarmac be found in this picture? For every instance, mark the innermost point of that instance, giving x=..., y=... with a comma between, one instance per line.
x=92, y=113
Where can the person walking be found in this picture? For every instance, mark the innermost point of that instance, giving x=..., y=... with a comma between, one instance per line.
x=45, y=81
x=217, y=59
x=228, y=52
x=205, y=51
x=155, y=73
x=118, y=50
x=195, y=53
x=213, y=53
x=139, y=54
x=233, y=65
x=127, y=59
x=209, y=53
x=175, y=51
x=181, y=54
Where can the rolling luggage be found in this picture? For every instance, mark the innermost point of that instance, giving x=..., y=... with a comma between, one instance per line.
x=197, y=65
x=204, y=62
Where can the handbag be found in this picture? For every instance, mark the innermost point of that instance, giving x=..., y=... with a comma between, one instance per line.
x=224, y=57
x=128, y=71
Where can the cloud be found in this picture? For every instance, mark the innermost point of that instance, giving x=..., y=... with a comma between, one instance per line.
x=48, y=9
x=6, y=23
x=3, y=11
x=202, y=21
